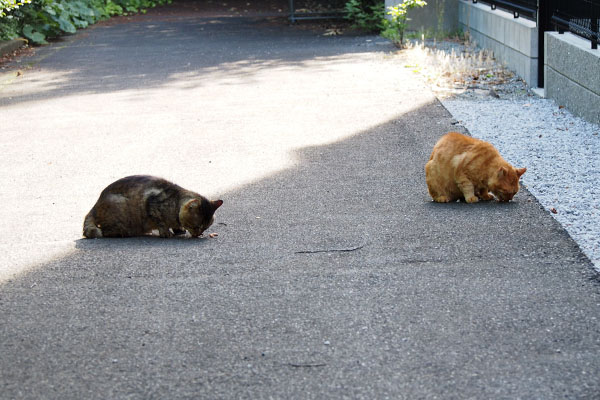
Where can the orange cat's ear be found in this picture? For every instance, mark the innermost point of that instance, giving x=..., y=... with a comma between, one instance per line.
x=521, y=171
x=217, y=204
x=501, y=172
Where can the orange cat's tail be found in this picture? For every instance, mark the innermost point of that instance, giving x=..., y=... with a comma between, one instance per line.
x=90, y=230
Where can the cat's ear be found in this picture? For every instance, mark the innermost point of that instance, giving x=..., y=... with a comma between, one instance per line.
x=217, y=203
x=502, y=172
x=194, y=203
x=520, y=171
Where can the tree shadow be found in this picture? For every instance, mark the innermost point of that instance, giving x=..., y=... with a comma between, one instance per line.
x=434, y=293
x=183, y=49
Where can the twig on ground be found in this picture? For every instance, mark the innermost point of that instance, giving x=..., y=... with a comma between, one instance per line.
x=329, y=250
x=306, y=365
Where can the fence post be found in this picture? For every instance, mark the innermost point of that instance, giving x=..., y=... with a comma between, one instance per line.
x=594, y=27
x=292, y=16
x=543, y=24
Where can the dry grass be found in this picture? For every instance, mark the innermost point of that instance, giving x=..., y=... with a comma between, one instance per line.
x=452, y=67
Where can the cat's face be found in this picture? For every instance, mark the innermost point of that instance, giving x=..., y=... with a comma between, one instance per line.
x=196, y=216
x=506, y=183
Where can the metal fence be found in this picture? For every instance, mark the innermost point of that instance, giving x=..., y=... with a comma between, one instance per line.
x=519, y=8
x=316, y=9
x=580, y=17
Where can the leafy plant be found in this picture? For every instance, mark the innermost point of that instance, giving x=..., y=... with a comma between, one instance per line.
x=42, y=19
x=7, y=5
x=9, y=28
x=395, y=26
x=366, y=15
x=113, y=8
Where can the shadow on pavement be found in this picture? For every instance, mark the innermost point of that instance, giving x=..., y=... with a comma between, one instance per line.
x=185, y=47
x=472, y=301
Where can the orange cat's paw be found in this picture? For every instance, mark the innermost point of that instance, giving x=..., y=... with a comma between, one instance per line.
x=472, y=199
x=486, y=197
x=441, y=199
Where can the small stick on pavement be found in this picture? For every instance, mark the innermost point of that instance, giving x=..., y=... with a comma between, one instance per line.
x=329, y=250
x=305, y=365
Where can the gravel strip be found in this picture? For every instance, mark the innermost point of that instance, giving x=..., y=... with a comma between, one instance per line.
x=560, y=150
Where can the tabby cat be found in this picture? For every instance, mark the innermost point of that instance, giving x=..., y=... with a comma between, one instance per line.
x=138, y=204
x=465, y=168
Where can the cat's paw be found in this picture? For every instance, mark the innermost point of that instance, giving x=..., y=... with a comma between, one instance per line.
x=472, y=199
x=92, y=232
x=165, y=233
x=486, y=196
x=441, y=199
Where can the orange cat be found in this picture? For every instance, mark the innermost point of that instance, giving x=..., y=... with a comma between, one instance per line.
x=465, y=168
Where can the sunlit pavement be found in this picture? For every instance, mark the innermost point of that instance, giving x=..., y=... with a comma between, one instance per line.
x=332, y=275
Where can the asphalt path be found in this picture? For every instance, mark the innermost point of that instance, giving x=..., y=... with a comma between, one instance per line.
x=333, y=275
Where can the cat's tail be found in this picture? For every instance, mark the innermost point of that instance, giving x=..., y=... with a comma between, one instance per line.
x=90, y=230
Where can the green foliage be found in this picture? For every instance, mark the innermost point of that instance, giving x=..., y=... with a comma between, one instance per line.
x=395, y=26
x=43, y=19
x=9, y=29
x=7, y=5
x=366, y=15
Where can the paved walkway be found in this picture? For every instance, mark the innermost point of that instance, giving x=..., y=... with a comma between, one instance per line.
x=317, y=145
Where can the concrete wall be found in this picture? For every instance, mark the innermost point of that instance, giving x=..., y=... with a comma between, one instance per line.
x=572, y=74
x=438, y=16
x=571, y=67
x=514, y=41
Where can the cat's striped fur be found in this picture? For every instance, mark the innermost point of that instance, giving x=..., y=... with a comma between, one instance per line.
x=464, y=168
x=136, y=205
